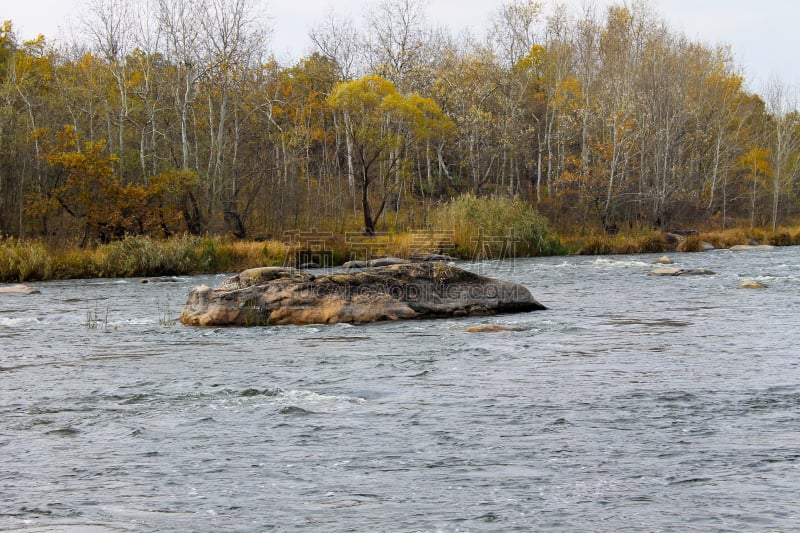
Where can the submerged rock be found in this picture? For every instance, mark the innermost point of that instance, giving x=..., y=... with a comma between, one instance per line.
x=674, y=271
x=161, y=279
x=492, y=328
x=275, y=295
x=752, y=284
x=748, y=247
x=18, y=289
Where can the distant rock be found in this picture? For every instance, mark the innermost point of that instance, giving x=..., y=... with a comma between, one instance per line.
x=748, y=247
x=355, y=264
x=18, y=289
x=674, y=271
x=707, y=246
x=664, y=260
x=387, y=261
x=274, y=295
x=752, y=284
x=161, y=279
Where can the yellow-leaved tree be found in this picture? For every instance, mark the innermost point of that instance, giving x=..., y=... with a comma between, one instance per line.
x=381, y=124
x=85, y=185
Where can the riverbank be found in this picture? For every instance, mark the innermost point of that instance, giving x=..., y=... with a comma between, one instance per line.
x=36, y=260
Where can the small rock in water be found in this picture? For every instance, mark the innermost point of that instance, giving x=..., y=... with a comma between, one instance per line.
x=18, y=289
x=664, y=260
x=161, y=279
x=752, y=284
x=674, y=271
x=748, y=247
x=387, y=261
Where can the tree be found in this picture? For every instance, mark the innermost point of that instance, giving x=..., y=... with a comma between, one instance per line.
x=337, y=39
x=784, y=137
x=397, y=39
x=381, y=125
x=756, y=164
x=87, y=187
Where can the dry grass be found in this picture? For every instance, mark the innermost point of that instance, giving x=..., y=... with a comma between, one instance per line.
x=141, y=256
x=784, y=236
x=601, y=244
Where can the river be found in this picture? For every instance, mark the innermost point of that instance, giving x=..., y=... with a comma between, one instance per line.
x=634, y=403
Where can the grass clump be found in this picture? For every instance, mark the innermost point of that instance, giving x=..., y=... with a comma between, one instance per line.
x=24, y=261
x=134, y=256
x=495, y=227
x=692, y=243
x=634, y=243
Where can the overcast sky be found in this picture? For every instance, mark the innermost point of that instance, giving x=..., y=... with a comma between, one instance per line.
x=762, y=33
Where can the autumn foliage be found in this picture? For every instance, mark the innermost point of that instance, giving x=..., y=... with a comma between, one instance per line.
x=176, y=120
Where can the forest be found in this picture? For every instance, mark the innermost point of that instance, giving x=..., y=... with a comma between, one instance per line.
x=165, y=118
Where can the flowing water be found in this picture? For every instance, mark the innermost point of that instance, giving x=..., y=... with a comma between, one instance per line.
x=633, y=403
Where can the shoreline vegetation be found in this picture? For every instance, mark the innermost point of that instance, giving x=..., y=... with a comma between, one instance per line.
x=557, y=131
x=136, y=256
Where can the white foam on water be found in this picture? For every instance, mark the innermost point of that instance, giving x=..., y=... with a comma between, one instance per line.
x=305, y=399
x=618, y=262
x=19, y=322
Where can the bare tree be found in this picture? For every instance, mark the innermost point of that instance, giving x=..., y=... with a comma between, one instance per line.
x=109, y=25
x=784, y=141
x=336, y=38
x=514, y=29
x=396, y=39
x=233, y=42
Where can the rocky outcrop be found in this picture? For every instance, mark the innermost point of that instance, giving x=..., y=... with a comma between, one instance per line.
x=275, y=295
x=18, y=289
x=675, y=271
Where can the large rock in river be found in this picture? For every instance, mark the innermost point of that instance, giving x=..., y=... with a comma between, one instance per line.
x=275, y=295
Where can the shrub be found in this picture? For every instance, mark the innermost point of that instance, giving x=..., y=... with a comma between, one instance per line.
x=495, y=226
x=132, y=256
x=726, y=238
x=24, y=261
x=647, y=242
x=781, y=238
x=693, y=243
x=651, y=242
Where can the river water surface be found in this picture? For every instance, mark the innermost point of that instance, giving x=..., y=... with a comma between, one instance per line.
x=633, y=403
